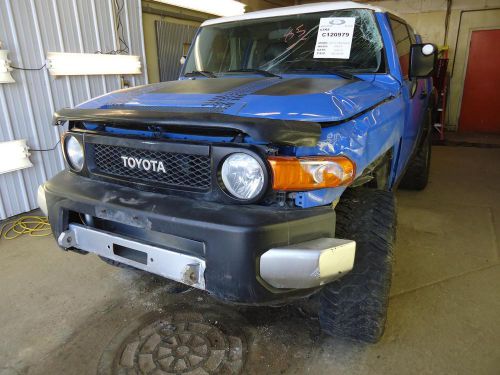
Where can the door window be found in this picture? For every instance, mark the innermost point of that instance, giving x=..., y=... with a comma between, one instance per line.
x=403, y=44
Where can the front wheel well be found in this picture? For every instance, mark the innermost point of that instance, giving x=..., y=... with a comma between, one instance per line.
x=377, y=174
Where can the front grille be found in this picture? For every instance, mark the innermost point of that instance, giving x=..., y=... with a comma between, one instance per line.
x=179, y=170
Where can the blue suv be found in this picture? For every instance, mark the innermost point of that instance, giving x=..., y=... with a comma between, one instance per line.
x=266, y=173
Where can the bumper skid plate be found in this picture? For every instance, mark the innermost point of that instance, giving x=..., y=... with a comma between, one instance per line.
x=170, y=264
x=305, y=265
x=308, y=264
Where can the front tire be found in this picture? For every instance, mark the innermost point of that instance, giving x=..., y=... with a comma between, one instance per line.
x=355, y=306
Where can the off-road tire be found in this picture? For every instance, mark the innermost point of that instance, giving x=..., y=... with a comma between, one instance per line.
x=416, y=176
x=355, y=306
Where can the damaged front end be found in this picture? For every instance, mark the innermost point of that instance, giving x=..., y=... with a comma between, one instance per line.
x=151, y=193
x=180, y=154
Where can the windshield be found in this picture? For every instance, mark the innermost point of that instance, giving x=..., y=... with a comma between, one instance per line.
x=342, y=40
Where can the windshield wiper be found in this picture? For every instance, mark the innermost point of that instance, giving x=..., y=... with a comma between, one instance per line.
x=204, y=73
x=265, y=73
x=338, y=72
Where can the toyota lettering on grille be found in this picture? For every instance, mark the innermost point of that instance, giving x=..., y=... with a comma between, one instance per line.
x=144, y=164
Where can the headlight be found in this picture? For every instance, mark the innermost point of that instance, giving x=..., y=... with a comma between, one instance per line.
x=74, y=153
x=243, y=176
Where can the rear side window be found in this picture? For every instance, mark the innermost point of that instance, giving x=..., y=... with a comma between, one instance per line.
x=403, y=44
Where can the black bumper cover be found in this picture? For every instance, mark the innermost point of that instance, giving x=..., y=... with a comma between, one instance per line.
x=230, y=238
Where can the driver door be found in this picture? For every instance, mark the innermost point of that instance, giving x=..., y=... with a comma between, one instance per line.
x=414, y=91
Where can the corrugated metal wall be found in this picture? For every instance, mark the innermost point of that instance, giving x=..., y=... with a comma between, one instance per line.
x=29, y=29
x=172, y=40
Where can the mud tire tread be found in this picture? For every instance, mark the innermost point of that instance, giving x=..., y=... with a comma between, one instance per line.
x=355, y=306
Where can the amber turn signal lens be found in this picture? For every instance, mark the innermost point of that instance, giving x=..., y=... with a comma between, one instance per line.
x=308, y=173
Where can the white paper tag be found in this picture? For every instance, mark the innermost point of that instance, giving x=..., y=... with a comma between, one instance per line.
x=334, y=38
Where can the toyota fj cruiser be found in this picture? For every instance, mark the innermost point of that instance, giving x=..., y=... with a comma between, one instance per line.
x=267, y=172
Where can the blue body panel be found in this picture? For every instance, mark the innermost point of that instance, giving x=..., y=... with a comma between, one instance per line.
x=371, y=116
x=414, y=107
x=329, y=106
x=362, y=140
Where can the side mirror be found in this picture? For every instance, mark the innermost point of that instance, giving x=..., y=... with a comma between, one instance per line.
x=422, y=60
x=182, y=60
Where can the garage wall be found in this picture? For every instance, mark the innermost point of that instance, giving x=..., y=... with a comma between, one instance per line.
x=29, y=29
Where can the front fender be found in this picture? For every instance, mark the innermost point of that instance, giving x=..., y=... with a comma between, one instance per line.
x=362, y=139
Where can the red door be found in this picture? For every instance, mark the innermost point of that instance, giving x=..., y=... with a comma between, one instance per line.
x=480, y=111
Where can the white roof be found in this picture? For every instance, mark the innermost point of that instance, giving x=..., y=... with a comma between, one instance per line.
x=297, y=9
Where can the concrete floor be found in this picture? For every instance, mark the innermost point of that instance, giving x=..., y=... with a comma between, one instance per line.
x=63, y=313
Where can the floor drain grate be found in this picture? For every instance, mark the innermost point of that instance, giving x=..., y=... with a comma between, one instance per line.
x=184, y=343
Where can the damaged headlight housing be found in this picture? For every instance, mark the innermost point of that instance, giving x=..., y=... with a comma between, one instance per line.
x=73, y=150
x=309, y=173
x=243, y=176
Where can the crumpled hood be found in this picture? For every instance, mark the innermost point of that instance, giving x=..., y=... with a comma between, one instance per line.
x=297, y=98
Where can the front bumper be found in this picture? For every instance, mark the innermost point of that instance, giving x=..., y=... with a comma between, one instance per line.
x=245, y=254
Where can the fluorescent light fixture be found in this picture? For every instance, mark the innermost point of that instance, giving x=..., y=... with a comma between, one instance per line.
x=83, y=64
x=223, y=8
x=14, y=155
x=5, y=69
